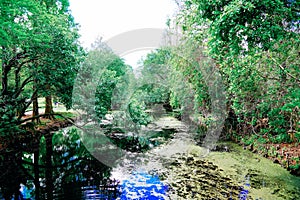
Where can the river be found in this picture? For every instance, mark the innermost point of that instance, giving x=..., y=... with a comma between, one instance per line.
x=172, y=168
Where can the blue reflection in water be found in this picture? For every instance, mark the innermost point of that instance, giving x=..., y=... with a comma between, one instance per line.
x=144, y=186
x=27, y=191
x=139, y=186
x=245, y=190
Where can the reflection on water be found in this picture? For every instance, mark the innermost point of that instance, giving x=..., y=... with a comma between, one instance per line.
x=66, y=170
x=245, y=190
x=62, y=168
x=59, y=167
x=141, y=185
x=27, y=190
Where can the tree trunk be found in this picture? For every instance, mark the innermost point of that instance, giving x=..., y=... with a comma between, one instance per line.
x=4, y=75
x=49, y=107
x=17, y=79
x=35, y=106
x=20, y=107
x=35, y=109
x=4, y=79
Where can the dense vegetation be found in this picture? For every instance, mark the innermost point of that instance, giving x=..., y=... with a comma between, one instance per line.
x=255, y=47
x=40, y=55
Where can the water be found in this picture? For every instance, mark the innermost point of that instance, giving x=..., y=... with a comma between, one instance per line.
x=75, y=174
x=27, y=190
x=141, y=185
x=245, y=189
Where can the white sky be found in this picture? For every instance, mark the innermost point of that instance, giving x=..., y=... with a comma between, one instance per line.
x=108, y=18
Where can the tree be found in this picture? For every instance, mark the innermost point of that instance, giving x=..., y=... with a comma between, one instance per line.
x=41, y=38
x=32, y=33
x=62, y=64
x=254, y=46
x=237, y=26
x=61, y=60
x=155, y=77
x=101, y=71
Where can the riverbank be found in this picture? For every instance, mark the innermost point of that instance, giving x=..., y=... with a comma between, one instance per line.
x=285, y=154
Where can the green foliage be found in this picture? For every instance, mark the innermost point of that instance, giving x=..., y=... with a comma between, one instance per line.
x=151, y=88
x=104, y=92
x=38, y=48
x=40, y=54
x=235, y=23
x=297, y=135
x=152, y=94
x=9, y=124
x=109, y=79
x=103, y=76
x=154, y=82
x=256, y=46
x=282, y=138
x=58, y=66
x=179, y=75
x=174, y=100
x=137, y=112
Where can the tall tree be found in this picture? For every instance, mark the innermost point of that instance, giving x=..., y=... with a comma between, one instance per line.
x=60, y=61
x=254, y=45
x=100, y=73
x=33, y=37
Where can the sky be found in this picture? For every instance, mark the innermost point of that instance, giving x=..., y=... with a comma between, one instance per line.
x=109, y=18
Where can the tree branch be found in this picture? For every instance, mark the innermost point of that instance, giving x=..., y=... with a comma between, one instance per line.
x=25, y=82
x=281, y=67
x=13, y=60
x=27, y=105
x=25, y=62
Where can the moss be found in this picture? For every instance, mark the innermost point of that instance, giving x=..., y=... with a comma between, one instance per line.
x=267, y=180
